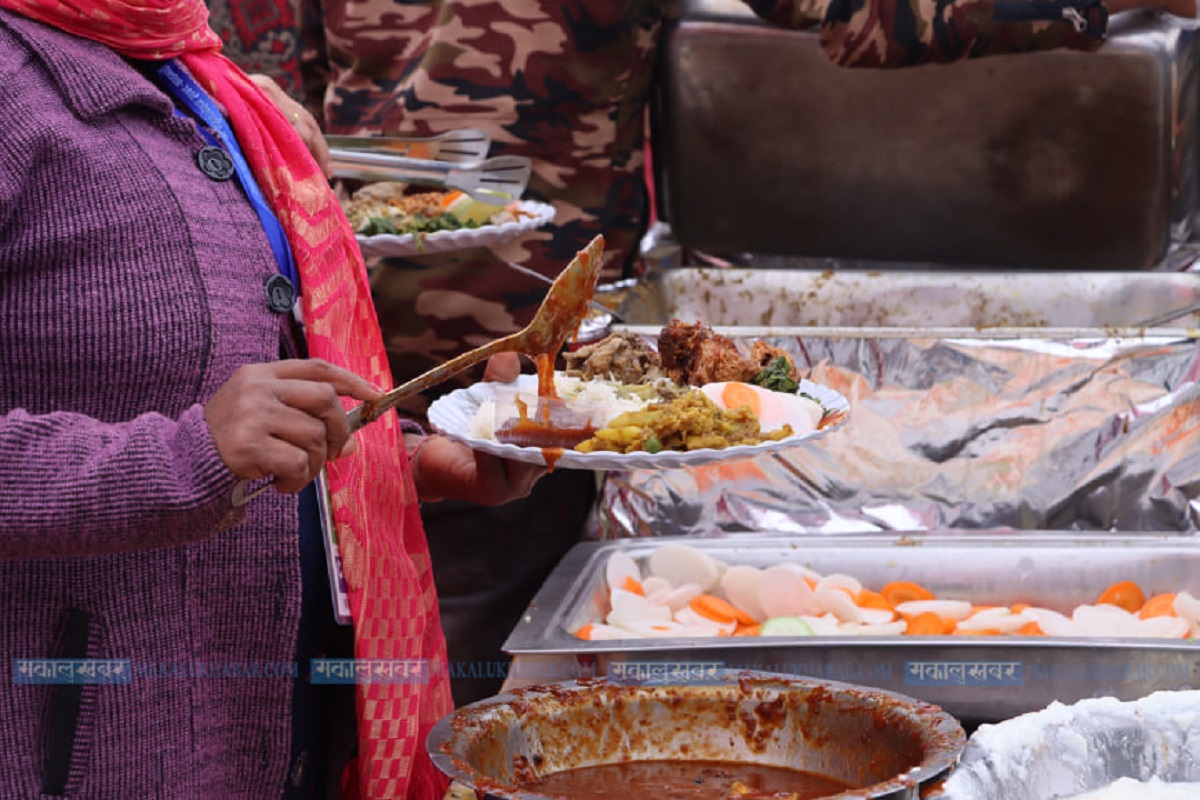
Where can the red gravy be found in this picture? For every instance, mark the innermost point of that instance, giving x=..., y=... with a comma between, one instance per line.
x=552, y=427
x=685, y=780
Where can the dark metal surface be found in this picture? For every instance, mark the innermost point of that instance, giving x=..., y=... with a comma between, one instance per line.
x=1056, y=159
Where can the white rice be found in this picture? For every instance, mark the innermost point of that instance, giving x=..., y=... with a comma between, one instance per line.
x=601, y=399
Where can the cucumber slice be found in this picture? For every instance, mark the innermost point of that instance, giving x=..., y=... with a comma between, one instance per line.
x=785, y=626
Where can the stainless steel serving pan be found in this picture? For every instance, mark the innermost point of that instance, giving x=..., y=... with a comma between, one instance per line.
x=979, y=679
x=1000, y=304
x=978, y=400
x=1053, y=160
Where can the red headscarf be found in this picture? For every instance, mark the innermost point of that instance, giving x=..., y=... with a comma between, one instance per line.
x=382, y=542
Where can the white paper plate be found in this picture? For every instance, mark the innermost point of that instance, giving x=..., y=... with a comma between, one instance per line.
x=452, y=414
x=410, y=244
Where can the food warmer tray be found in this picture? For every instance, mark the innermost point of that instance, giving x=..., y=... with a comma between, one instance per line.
x=979, y=679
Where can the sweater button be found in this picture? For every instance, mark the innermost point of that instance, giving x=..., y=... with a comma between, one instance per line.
x=215, y=163
x=281, y=294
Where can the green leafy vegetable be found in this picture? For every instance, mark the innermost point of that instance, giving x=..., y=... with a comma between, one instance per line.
x=776, y=376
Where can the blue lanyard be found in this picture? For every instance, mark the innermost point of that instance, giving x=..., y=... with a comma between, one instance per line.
x=176, y=80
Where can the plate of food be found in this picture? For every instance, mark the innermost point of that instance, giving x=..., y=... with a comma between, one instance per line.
x=389, y=222
x=623, y=405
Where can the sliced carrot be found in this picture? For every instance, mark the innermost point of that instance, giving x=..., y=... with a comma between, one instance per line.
x=898, y=592
x=585, y=632
x=712, y=607
x=978, y=632
x=1123, y=594
x=869, y=599
x=1017, y=608
x=1030, y=629
x=747, y=630
x=632, y=584
x=449, y=198
x=812, y=583
x=1160, y=605
x=928, y=623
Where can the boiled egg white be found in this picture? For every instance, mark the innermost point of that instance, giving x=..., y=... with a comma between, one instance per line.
x=773, y=409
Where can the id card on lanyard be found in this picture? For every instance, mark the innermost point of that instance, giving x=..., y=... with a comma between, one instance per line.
x=175, y=79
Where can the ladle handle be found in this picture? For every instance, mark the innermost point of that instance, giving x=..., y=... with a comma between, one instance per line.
x=369, y=412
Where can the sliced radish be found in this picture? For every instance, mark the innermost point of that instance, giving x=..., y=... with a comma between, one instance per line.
x=656, y=629
x=946, y=609
x=1051, y=622
x=740, y=585
x=695, y=622
x=882, y=629
x=783, y=592
x=654, y=584
x=1104, y=620
x=879, y=616
x=837, y=580
x=619, y=567
x=678, y=598
x=601, y=632
x=628, y=607
x=802, y=571
x=1187, y=606
x=994, y=619
x=838, y=603
x=1165, y=627
x=681, y=563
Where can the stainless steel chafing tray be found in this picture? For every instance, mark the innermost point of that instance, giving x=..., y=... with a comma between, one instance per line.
x=1055, y=160
x=996, y=304
x=975, y=678
x=1019, y=400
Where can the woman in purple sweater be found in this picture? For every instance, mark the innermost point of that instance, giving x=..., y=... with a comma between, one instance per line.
x=151, y=631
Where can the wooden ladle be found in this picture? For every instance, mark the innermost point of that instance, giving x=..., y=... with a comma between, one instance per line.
x=561, y=312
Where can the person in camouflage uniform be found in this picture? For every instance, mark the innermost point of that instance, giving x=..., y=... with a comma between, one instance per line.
x=565, y=83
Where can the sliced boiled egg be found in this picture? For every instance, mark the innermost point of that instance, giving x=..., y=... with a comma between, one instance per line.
x=773, y=409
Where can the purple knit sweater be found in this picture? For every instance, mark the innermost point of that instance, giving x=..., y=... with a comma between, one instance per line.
x=131, y=287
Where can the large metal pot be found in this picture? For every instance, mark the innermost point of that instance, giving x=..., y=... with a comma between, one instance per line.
x=886, y=743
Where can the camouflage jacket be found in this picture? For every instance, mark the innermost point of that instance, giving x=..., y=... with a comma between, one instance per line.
x=564, y=83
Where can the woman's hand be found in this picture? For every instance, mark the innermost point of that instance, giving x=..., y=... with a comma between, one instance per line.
x=304, y=122
x=447, y=470
x=284, y=419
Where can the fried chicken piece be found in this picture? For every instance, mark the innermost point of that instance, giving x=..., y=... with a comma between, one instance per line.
x=694, y=355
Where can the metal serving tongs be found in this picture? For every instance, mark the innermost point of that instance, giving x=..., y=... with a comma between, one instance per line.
x=562, y=310
x=495, y=181
x=463, y=145
x=1170, y=316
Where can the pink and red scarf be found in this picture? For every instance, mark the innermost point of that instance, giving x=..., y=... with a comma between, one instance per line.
x=384, y=553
